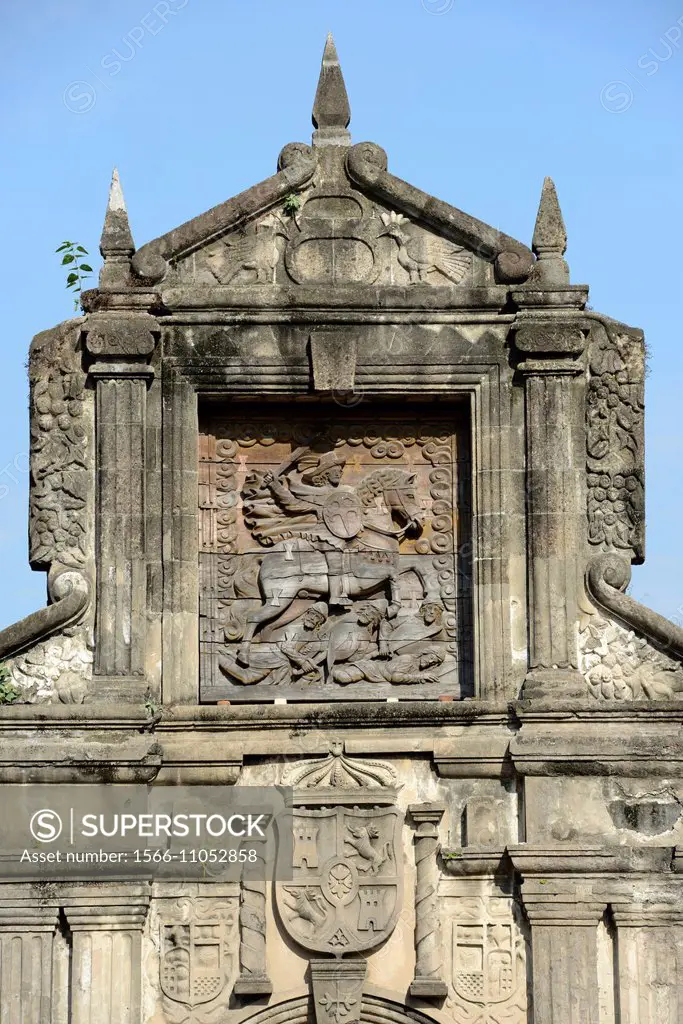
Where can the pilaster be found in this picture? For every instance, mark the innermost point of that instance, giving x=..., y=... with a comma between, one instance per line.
x=563, y=910
x=549, y=347
x=106, y=964
x=121, y=374
x=26, y=941
x=649, y=944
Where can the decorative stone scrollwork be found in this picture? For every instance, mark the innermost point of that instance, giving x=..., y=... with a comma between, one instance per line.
x=49, y=653
x=620, y=663
x=60, y=478
x=121, y=336
x=614, y=442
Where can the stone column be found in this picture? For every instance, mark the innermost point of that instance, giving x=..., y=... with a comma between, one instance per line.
x=26, y=941
x=106, y=959
x=649, y=940
x=253, y=978
x=428, y=981
x=564, y=933
x=122, y=346
x=553, y=496
x=180, y=526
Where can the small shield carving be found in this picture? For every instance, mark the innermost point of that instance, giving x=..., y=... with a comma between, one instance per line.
x=192, y=961
x=343, y=515
x=485, y=962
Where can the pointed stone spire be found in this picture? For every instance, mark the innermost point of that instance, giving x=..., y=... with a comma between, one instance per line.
x=550, y=238
x=116, y=239
x=331, y=110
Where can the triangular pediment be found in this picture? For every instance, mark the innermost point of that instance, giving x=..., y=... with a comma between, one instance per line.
x=341, y=220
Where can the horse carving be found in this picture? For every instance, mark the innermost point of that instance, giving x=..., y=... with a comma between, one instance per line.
x=327, y=539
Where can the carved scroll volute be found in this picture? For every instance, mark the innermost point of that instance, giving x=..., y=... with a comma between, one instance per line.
x=121, y=337
x=345, y=893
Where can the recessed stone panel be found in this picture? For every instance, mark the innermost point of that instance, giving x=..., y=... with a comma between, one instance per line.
x=333, y=562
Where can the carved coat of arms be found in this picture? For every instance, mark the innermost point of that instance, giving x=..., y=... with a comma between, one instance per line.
x=194, y=968
x=488, y=962
x=344, y=896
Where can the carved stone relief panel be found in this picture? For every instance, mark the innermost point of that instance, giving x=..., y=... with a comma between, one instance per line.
x=620, y=665
x=332, y=561
x=335, y=235
x=195, y=947
x=615, y=442
x=61, y=453
x=486, y=951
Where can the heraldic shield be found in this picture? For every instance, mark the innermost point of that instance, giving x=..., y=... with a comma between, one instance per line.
x=345, y=893
x=193, y=968
x=486, y=962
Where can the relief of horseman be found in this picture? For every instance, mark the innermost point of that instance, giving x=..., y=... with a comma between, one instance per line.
x=327, y=539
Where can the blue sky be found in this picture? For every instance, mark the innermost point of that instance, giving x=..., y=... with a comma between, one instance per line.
x=475, y=102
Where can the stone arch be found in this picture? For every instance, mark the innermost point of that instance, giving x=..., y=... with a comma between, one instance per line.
x=375, y=1009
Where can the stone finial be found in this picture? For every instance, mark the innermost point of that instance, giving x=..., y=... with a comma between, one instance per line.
x=116, y=239
x=550, y=238
x=331, y=110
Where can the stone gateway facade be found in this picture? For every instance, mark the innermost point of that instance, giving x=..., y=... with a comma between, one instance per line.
x=337, y=489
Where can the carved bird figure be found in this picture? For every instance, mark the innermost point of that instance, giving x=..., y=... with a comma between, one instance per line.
x=422, y=253
x=255, y=251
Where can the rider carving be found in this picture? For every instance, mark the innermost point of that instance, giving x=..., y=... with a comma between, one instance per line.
x=320, y=477
x=328, y=539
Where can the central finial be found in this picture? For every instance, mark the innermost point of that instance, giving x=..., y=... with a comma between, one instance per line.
x=331, y=110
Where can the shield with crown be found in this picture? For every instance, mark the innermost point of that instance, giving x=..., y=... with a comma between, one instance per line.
x=344, y=891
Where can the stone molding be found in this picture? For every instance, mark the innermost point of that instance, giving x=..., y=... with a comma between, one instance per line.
x=296, y=164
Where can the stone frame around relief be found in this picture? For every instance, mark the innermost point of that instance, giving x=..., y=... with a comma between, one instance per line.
x=187, y=384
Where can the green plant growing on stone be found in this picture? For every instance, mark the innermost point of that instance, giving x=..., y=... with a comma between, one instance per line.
x=8, y=691
x=154, y=711
x=292, y=203
x=72, y=257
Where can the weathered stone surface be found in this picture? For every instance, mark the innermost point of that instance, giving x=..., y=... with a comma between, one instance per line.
x=337, y=489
